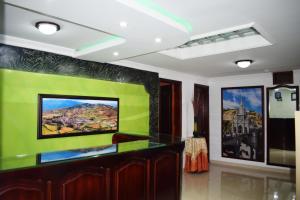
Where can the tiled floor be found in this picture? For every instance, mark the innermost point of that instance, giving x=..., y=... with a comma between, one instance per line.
x=231, y=183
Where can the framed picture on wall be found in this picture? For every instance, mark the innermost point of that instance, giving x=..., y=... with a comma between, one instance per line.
x=294, y=96
x=243, y=123
x=65, y=115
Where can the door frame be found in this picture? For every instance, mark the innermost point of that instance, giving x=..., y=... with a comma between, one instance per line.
x=206, y=107
x=176, y=118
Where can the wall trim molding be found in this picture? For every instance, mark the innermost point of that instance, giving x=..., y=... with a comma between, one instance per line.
x=20, y=42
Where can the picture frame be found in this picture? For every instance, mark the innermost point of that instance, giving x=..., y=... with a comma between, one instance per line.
x=278, y=96
x=294, y=96
x=69, y=115
x=242, y=119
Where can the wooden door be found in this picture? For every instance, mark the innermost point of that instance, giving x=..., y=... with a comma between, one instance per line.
x=91, y=184
x=165, y=108
x=201, y=98
x=170, y=107
x=25, y=189
x=132, y=180
x=166, y=172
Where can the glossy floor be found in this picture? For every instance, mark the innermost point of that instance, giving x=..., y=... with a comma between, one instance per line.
x=285, y=157
x=231, y=183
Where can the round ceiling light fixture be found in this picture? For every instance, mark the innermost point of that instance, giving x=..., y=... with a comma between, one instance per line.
x=47, y=28
x=116, y=53
x=123, y=24
x=158, y=40
x=243, y=63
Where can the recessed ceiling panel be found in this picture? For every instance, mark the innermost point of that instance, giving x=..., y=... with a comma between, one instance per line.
x=20, y=23
x=280, y=22
x=81, y=20
x=221, y=41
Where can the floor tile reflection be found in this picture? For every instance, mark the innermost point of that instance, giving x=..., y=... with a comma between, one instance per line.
x=230, y=183
x=285, y=157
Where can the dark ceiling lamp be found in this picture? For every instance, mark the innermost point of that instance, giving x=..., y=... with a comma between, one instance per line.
x=47, y=28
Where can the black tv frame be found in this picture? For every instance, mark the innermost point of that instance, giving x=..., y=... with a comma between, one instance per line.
x=40, y=111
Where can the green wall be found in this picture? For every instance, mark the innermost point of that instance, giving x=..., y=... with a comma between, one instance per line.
x=134, y=145
x=18, y=110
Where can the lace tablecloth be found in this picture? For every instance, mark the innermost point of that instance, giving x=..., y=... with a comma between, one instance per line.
x=196, y=159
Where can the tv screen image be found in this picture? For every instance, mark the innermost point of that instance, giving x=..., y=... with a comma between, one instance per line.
x=77, y=153
x=61, y=115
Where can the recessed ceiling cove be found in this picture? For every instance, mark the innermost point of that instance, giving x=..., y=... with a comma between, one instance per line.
x=277, y=21
x=91, y=30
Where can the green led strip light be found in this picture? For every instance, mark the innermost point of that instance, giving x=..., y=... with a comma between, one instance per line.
x=98, y=42
x=157, y=8
x=150, y=5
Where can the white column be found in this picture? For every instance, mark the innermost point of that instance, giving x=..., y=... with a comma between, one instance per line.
x=297, y=122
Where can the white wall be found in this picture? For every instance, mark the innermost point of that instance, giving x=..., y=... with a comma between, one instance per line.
x=188, y=82
x=215, y=85
x=284, y=108
x=297, y=154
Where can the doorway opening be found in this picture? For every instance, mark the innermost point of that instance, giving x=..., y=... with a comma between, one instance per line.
x=170, y=105
x=201, y=117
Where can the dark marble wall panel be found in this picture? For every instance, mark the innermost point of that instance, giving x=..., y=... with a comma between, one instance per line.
x=16, y=58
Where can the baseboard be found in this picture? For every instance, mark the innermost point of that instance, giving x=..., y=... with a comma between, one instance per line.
x=257, y=168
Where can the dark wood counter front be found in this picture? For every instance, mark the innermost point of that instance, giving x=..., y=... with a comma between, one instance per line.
x=139, y=170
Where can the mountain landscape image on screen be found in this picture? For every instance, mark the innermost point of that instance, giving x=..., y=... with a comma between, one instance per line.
x=71, y=116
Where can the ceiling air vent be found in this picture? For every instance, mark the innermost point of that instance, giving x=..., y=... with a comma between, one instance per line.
x=246, y=32
x=221, y=41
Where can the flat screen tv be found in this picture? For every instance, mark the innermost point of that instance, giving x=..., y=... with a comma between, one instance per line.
x=64, y=115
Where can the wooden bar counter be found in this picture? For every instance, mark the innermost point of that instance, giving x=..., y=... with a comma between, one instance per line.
x=132, y=168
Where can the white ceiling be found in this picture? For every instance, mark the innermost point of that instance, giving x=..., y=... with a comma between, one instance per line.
x=20, y=23
x=279, y=19
x=102, y=16
x=86, y=22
